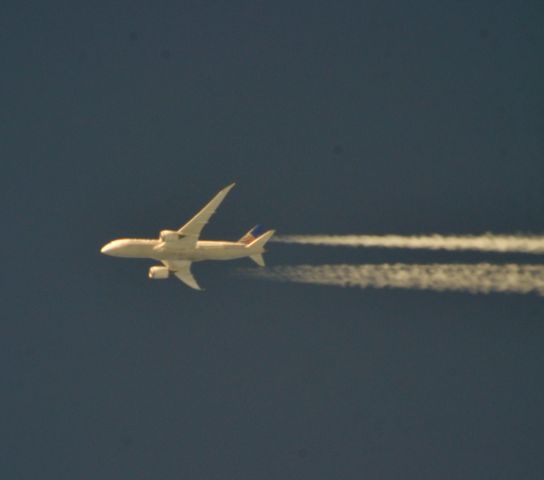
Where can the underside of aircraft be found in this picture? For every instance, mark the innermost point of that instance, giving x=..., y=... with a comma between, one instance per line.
x=178, y=249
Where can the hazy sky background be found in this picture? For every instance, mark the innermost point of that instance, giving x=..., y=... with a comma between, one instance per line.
x=123, y=118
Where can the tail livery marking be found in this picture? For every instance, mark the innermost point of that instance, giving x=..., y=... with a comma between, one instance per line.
x=253, y=234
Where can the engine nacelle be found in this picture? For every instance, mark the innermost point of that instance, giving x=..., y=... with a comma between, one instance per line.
x=169, y=236
x=158, y=273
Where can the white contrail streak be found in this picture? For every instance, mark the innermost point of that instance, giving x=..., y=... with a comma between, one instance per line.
x=483, y=243
x=473, y=278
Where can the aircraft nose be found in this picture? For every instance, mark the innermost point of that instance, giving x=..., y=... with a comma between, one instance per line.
x=106, y=249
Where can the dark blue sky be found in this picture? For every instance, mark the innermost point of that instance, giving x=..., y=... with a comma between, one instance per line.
x=123, y=118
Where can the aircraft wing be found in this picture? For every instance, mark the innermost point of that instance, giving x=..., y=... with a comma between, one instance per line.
x=191, y=230
x=182, y=270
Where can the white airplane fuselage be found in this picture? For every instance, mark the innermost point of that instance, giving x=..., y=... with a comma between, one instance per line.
x=178, y=249
x=158, y=250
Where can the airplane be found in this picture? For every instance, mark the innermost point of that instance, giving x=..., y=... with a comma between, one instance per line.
x=178, y=249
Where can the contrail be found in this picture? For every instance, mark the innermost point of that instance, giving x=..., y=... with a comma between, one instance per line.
x=482, y=243
x=472, y=278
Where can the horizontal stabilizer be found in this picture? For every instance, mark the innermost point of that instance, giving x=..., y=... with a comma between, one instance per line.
x=258, y=243
x=258, y=259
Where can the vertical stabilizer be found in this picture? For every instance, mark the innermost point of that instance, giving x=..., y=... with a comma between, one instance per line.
x=256, y=245
x=252, y=234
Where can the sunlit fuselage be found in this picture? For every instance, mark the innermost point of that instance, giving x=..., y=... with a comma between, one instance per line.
x=159, y=250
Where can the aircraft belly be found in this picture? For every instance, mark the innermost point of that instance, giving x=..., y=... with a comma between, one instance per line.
x=178, y=249
x=221, y=253
x=206, y=253
x=137, y=251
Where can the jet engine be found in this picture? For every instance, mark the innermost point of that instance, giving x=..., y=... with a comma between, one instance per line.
x=158, y=273
x=169, y=236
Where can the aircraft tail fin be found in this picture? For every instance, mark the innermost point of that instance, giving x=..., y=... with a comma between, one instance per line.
x=255, y=240
x=252, y=234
